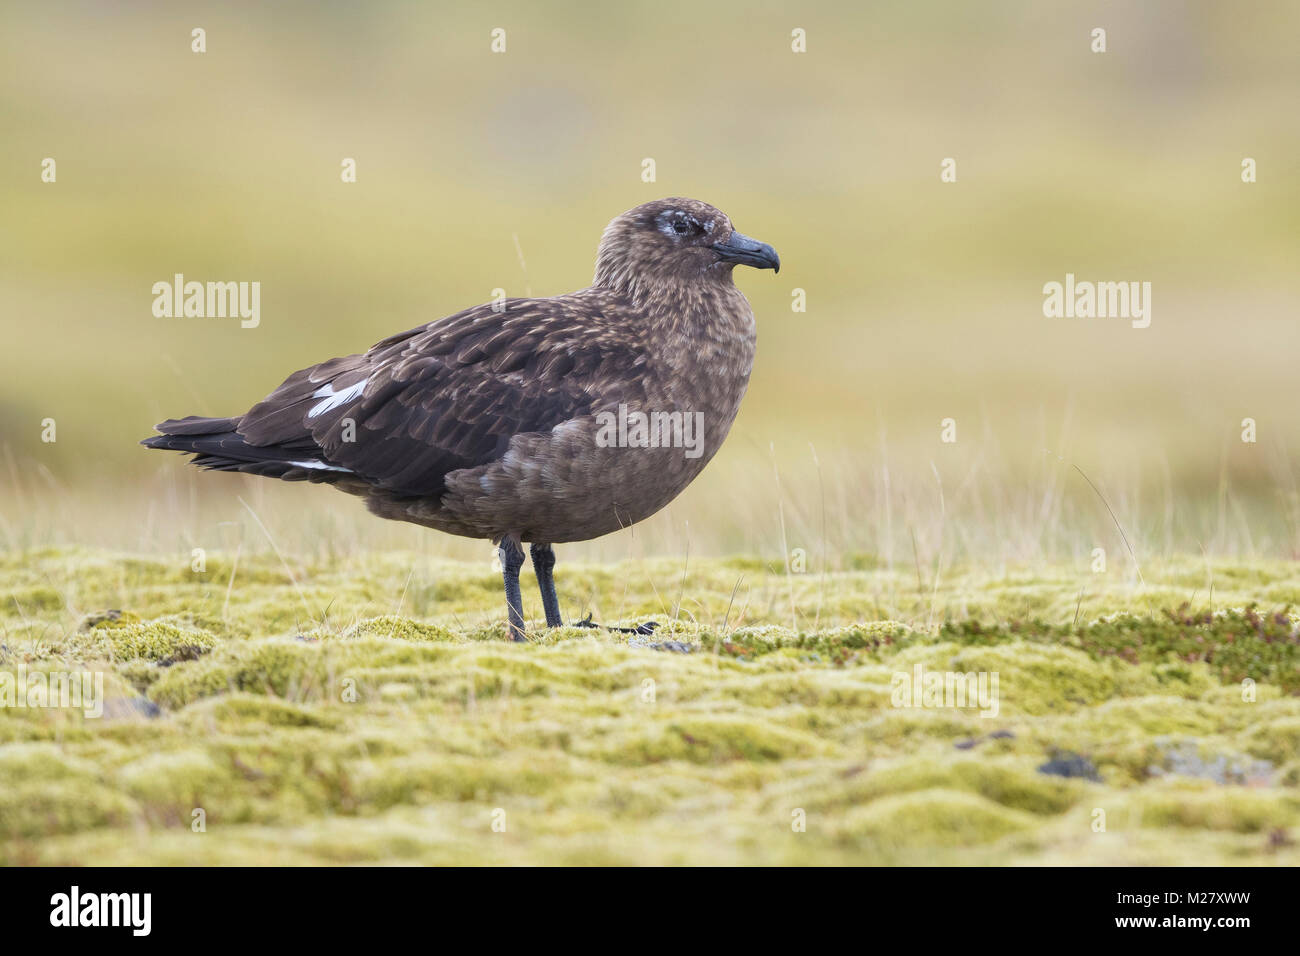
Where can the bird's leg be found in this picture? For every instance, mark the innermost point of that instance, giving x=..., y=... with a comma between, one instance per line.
x=544, y=566
x=512, y=559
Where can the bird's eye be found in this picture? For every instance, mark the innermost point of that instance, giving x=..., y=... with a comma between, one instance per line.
x=687, y=226
x=679, y=224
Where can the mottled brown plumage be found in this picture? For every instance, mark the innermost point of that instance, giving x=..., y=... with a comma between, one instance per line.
x=486, y=423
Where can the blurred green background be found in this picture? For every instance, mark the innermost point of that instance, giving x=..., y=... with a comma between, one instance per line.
x=924, y=298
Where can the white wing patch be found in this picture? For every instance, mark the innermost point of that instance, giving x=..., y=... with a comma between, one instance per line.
x=333, y=399
x=320, y=466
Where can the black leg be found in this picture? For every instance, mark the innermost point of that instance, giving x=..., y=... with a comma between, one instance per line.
x=544, y=566
x=512, y=559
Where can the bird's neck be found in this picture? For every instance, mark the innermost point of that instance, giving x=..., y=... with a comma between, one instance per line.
x=703, y=326
x=709, y=306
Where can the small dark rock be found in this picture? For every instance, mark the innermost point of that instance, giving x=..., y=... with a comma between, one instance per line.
x=1067, y=764
x=1186, y=758
x=186, y=652
x=966, y=744
x=678, y=647
x=91, y=620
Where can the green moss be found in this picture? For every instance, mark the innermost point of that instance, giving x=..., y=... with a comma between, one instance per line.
x=946, y=818
x=706, y=740
x=1234, y=644
x=32, y=600
x=245, y=713
x=1276, y=739
x=35, y=763
x=400, y=628
x=1203, y=805
x=1012, y=783
x=110, y=618
x=835, y=645
x=160, y=640
x=325, y=728
x=34, y=811
x=172, y=784
x=423, y=778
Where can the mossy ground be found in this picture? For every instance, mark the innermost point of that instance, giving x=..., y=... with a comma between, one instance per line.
x=229, y=691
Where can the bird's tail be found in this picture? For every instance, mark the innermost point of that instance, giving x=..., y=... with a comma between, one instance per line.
x=217, y=445
x=194, y=425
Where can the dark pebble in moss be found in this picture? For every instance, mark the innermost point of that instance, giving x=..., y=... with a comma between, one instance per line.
x=1071, y=765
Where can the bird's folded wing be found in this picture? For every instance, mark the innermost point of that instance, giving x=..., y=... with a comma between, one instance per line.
x=451, y=394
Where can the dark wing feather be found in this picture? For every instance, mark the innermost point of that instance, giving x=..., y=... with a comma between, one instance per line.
x=452, y=394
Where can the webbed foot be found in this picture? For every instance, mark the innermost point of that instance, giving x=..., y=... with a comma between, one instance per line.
x=643, y=629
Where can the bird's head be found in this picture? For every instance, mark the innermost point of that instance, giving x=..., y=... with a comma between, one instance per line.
x=675, y=241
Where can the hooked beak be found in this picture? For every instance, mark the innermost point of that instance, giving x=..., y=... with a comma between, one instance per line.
x=741, y=249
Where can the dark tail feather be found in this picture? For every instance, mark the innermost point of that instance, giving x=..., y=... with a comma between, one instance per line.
x=194, y=425
x=217, y=446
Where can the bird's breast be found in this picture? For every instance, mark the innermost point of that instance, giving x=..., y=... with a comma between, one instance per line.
x=644, y=441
